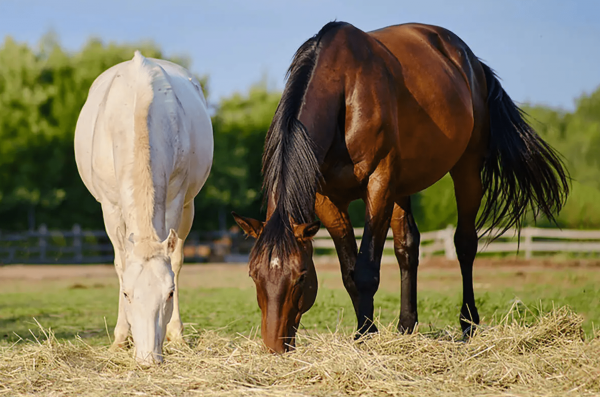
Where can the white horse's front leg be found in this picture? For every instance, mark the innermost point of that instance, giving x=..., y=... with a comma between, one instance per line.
x=112, y=221
x=175, y=326
x=122, y=327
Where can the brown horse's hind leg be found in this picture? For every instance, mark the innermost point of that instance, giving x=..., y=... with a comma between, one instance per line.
x=335, y=218
x=468, y=191
x=406, y=247
x=379, y=207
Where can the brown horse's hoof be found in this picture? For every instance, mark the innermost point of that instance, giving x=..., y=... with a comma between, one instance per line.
x=407, y=324
x=365, y=332
x=469, y=332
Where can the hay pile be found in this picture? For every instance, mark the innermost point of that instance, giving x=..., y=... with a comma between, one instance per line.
x=548, y=357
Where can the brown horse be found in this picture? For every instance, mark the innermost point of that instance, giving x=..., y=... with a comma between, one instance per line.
x=380, y=116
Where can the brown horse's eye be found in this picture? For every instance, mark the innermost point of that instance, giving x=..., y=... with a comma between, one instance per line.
x=171, y=294
x=301, y=279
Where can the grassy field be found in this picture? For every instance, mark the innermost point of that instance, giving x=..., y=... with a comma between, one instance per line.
x=222, y=297
x=76, y=308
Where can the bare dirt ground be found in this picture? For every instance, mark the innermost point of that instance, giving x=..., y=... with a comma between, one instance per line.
x=435, y=273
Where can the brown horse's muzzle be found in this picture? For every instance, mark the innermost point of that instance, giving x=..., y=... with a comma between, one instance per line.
x=279, y=332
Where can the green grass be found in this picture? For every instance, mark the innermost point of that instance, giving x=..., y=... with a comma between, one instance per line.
x=439, y=309
x=70, y=310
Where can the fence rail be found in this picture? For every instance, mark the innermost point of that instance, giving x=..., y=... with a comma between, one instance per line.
x=45, y=246
x=531, y=240
x=79, y=246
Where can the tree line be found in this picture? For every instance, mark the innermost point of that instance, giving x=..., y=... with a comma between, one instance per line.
x=42, y=90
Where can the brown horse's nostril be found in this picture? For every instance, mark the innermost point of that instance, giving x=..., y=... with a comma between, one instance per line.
x=277, y=349
x=280, y=345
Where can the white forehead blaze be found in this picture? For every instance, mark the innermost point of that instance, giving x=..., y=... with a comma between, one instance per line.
x=275, y=263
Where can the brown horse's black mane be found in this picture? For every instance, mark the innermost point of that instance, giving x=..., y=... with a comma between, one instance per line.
x=289, y=165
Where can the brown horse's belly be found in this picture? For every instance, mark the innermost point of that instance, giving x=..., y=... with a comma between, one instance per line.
x=428, y=156
x=341, y=180
x=415, y=177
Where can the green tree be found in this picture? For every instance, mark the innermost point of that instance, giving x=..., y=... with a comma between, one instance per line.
x=576, y=136
x=41, y=94
x=240, y=125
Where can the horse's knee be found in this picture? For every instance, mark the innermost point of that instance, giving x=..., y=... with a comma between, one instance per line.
x=407, y=251
x=366, y=279
x=413, y=239
x=176, y=267
x=466, y=245
x=175, y=330
x=348, y=280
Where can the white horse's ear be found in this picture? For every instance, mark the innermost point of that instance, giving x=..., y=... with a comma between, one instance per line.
x=170, y=242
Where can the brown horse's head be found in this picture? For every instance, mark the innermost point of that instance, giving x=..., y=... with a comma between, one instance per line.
x=282, y=268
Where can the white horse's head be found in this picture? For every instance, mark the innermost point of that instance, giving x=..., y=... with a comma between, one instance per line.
x=148, y=287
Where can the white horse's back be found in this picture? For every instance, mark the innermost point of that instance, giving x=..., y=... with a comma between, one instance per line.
x=178, y=125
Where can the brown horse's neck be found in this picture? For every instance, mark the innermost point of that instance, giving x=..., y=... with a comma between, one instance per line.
x=302, y=131
x=320, y=113
x=319, y=116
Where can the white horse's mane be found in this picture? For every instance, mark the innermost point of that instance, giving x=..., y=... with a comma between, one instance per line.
x=141, y=171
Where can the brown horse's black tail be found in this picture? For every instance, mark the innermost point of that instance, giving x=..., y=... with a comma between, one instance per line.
x=521, y=171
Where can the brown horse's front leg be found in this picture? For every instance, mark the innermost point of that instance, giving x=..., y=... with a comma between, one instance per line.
x=335, y=218
x=379, y=206
x=406, y=247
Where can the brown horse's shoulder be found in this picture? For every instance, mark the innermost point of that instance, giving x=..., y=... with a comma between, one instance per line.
x=351, y=40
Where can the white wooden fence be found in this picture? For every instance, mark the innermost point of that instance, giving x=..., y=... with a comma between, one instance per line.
x=79, y=246
x=532, y=240
x=54, y=246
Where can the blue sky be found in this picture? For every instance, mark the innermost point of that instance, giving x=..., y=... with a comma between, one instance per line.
x=545, y=51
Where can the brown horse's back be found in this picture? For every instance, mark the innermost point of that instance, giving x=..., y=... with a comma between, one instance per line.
x=441, y=102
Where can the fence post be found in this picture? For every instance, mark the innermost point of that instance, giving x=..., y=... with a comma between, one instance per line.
x=449, y=243
x=528, y=234
x=77, y=243
x=43, y=243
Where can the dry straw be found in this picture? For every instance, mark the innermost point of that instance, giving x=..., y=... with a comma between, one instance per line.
x=546, y=355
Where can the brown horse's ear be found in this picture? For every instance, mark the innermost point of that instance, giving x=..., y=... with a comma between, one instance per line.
x=251, y=227
x=306, y=231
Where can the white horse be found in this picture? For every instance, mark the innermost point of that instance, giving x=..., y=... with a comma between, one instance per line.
x=144, y=148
